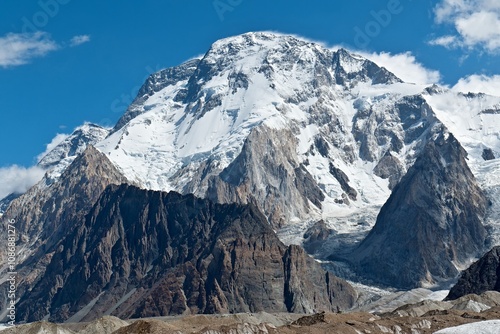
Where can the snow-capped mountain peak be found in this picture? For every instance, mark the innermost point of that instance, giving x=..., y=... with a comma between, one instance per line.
x=74, y=144
x=57, y=159
x=338, y=111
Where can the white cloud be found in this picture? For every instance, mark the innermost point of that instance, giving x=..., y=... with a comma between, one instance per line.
x=446, y=41
x=481, y=28
x=16, y=179
x=476, y=24
x=447, y=9
x=479, y=84
x=405, y=66
x=78, y=40
x=19, y=49
x=59, y=138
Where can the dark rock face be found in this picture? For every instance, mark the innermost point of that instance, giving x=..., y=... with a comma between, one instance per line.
x=378, y=75
x=322, y=146
x=482, y=276
x=389, y=167
x=302, y=293
x=49, y=211
x=315, y=237
x=488, y=154
x=432, y=220
x=142, y=253
x=310, y=320
x=155, y=83
x=238, y=80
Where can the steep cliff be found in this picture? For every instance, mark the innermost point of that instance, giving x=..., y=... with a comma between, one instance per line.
x=481, y=276
x=53, y=208
x=431, y=223
x=143, y=253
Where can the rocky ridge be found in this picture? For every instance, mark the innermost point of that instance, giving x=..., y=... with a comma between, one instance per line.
x=62, y=155
x=437, y=208
x=481, y=276
x=143, y=253
x=56, y=207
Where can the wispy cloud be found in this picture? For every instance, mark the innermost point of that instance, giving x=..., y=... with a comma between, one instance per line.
x=478, y=83
x=476, y=23
x=405, y=66
x=78, y=40
x=19, y=49
x=446, y=41
x=16, y=179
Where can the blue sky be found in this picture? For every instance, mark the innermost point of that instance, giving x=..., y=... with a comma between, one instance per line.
x=63, y=62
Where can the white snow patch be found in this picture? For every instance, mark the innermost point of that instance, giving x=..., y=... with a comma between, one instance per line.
x=438, y=295
x=482, y=327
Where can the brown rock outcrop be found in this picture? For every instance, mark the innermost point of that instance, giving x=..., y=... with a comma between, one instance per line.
x=142, y=253
x=481, y=276
x=431, y=222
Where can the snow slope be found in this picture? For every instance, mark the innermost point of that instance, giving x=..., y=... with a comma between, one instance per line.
x=482, y=327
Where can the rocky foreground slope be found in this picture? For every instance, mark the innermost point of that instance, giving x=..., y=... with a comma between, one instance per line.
x=422, y=318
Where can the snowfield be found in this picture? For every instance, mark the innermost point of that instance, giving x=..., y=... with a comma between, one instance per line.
x=483, y=327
